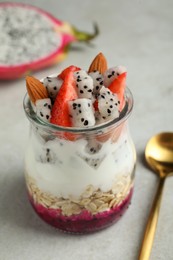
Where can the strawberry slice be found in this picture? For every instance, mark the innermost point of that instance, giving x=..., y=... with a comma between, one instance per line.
x=95, y=105
x=118, y=87
x=60, y=111
x=71, y=68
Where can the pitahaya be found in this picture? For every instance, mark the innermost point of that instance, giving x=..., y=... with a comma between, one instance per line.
x=43, y=109
x=108, y=104
x=97, y=81
x=112, y=74
x=118, y=86
x=81, y=112
x=80, y=74
x=93, y=146
x=84, y=87
x=46, y=155
x=93, y=161
x=52, y=85
x=40, y=39
x=99, y=119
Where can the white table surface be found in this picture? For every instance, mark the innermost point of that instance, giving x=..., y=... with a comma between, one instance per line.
x=139, y=35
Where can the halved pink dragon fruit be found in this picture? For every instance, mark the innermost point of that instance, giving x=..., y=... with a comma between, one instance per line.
x=81, y=112
x=113, y=73
x=33, y=39
x=52, y=85
x=43, y=109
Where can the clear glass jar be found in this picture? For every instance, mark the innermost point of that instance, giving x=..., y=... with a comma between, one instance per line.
x=80, y=180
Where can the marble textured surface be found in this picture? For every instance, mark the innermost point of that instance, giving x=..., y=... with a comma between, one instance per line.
x=139, y=35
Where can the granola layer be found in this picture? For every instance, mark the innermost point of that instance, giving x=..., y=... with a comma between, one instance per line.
x=93, y=200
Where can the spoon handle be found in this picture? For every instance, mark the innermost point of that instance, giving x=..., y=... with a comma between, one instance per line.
x=152, y=223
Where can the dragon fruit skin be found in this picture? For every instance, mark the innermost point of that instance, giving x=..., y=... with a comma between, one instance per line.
x=67, y=33
x=52, y=85
x=113, y=73
x=43, y=109
x=81, y=112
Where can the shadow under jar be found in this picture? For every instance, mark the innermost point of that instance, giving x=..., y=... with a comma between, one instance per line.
x=80, y=180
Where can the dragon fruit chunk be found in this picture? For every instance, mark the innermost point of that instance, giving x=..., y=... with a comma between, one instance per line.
x=79, y=75
x=85, y=87
x=97, y=81
x=52, y=85
x=108, y=104
x=47, y=156
x=93, y=146
x=99, y=119
x=81, y=112
x=93, y=161
x=84, y=84
x=43, y=109
x=112, y=74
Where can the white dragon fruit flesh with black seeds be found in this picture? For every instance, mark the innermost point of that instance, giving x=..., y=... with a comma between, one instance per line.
x=47, y=156
x=93, y=146
x=26, y=35
x=97, y=81
x=94, y=160
x=99, y=118
x=81, y=112
x=52, y=85
x=84, y=87
x=113, y=73
x=80, y=74
x=43, y=109
x=108, y=104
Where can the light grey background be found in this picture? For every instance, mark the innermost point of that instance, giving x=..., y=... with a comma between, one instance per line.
x=139, y=35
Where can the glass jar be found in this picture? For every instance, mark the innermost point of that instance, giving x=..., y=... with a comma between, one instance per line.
x=80, y=180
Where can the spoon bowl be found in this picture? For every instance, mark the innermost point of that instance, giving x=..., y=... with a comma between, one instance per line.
x=159, y=156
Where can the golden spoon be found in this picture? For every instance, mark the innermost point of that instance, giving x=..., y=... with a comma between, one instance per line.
x=159, y=156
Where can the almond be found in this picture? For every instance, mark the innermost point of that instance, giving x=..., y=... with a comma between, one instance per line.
x=36, y=90
x=98, y=64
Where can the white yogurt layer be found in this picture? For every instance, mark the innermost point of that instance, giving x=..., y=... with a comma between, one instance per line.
x=65, y=168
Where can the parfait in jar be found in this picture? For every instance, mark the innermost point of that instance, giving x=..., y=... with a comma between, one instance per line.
x=80, y=158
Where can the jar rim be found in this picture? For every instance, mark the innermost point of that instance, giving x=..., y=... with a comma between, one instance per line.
x=124, y=115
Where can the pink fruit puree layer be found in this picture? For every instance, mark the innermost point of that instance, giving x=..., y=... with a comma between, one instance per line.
x=84, y=222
